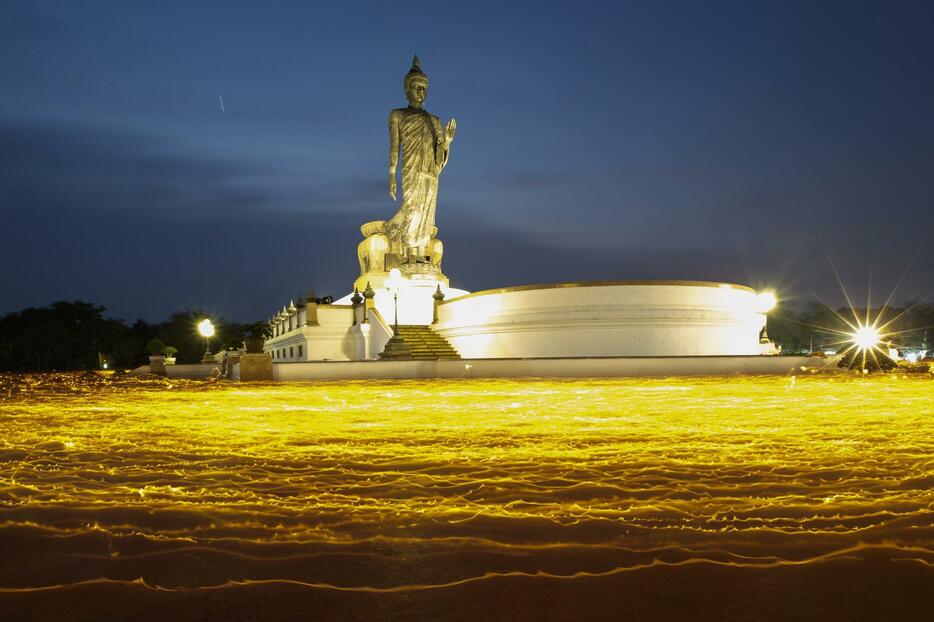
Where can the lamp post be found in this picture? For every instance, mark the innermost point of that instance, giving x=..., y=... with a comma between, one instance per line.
x=392, y=285
x=765, y=302
x=206, y=328
x=396, y=347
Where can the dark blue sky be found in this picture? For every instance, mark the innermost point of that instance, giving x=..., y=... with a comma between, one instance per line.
x=713, y=140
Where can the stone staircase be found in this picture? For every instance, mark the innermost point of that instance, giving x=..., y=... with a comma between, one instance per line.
x=426, y=344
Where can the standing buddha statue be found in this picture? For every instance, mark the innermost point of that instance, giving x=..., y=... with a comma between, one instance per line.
x=425, y=148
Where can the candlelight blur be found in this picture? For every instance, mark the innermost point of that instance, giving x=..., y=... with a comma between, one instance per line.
x=406, y=486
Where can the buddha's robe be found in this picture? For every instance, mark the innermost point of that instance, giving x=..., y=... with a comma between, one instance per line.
x=424, y=154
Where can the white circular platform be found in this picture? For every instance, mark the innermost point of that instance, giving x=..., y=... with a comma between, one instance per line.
x=605, y=318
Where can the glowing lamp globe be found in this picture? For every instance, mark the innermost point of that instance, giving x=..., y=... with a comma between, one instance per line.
x=394, y=280
x=866, y=337
x=206, y=328
x=765, y=302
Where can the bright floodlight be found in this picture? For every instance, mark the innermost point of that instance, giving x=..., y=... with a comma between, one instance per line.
x=765, y=301
x=866, y=337
x=395, y=278
x=206, y=328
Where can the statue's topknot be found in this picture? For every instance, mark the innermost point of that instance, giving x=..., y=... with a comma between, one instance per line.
x=415, y=74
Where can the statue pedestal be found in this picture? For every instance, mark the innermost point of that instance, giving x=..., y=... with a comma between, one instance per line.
x=378, y=256
x=414, y=297
x=377, y=280
x=419, y=280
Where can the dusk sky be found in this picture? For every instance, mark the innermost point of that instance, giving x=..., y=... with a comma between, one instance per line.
x=626, y=140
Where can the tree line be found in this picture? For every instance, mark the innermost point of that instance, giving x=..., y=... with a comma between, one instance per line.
x=75, y=335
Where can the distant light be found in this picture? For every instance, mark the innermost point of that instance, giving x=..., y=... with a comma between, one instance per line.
x=866, y=337
x=105, y=365
x=206, y=328
x=765, y=301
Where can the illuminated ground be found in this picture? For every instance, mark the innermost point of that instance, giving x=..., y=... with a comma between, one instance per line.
x=722, y=498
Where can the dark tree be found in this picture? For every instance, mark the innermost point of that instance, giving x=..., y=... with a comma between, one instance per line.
x=62, y=336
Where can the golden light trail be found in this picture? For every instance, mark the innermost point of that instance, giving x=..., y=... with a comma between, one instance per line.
x=408, y=486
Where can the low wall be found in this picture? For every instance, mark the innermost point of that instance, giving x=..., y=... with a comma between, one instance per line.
x=197, y=370
x=604, y=318
x=550, y=367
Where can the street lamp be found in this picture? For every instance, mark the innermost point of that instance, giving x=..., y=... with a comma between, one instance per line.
x=392, y=285
x=206, y=328
x=765, y=302
x=866, y=338
x=396, y=347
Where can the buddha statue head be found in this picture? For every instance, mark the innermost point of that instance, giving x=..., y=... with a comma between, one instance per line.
x=416, y=85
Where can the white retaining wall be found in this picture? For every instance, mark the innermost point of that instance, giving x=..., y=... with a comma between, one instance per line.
x=555, y=367
x=596, y=319
x=196, y=370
